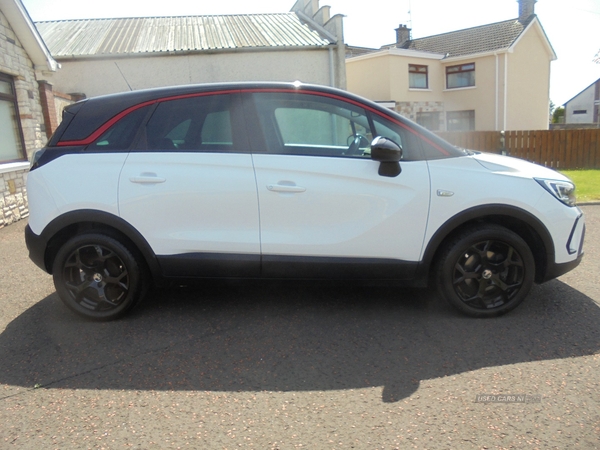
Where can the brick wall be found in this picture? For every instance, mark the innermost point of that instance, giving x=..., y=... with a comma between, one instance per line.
x=49, y=108
x=53, y=103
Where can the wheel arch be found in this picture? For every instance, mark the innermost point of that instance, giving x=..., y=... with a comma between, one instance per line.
x=519, y=221
x=73, y=223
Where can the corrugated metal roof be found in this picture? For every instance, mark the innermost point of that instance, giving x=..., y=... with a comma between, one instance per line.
x=481, y=39
x=106, y=37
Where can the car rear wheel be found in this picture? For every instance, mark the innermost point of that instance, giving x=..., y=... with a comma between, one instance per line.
x=485, y=271
x=98, y=277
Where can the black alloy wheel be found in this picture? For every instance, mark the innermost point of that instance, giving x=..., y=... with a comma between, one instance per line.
x=486, y=271
x=97, y=277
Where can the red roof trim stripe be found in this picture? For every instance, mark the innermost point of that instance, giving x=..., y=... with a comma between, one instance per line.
x=104, y=127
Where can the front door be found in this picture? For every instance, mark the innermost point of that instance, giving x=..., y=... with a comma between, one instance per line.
x=324, y=209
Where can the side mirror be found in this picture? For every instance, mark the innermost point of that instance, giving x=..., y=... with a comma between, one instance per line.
x=389, y=154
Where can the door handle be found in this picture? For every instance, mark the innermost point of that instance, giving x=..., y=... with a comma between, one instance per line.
x=285, y=188
x=147, y=178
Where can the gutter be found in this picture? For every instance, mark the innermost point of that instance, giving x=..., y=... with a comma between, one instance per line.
x=331, y=68
x=497, y=112
x=189, y=52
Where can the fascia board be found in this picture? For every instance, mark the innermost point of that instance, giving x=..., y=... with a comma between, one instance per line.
x=471, y=56
x=415, y=53
x=536, y=23
x=397, y=52
x=27, y=33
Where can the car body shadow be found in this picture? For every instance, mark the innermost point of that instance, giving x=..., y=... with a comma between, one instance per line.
x=289, y=336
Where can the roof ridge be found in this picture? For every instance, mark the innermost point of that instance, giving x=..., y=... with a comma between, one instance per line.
x=165, y=17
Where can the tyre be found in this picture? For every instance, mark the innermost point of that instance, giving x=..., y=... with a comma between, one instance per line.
x=485, y=271
x=98, y=277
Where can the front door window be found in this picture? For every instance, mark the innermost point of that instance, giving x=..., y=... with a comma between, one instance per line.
x=313, y=125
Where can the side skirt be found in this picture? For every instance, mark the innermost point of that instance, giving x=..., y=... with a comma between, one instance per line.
x=315, y=267
x=216, y=265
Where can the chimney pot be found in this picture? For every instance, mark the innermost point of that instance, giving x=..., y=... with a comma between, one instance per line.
x=402, y=35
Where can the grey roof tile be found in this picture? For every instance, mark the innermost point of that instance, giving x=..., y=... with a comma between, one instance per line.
x=481, y=39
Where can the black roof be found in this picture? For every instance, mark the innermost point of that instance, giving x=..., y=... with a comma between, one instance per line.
x=83, y=118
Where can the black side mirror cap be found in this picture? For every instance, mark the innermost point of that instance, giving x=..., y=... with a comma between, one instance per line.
x=385, y=150
x=389, y=154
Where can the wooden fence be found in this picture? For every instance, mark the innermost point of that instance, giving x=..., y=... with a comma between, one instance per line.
x=558, y=149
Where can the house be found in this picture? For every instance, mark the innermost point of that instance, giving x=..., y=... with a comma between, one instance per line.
x=490, y=77
x=584, y=108
x=25, y=65
x=102, y=56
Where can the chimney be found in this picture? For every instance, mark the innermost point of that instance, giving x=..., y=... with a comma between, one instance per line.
x=526, y=9
x=402, y=35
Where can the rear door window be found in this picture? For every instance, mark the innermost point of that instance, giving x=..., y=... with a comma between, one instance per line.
x=201, y=123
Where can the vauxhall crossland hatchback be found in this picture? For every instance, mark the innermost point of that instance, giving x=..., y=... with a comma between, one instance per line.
x=273, y=180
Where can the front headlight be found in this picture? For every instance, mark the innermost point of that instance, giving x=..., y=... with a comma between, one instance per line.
x=562, y=190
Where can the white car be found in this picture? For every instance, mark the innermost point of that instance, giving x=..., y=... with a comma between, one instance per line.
x=272, y=180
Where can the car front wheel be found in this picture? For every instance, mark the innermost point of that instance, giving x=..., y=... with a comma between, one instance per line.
x=97, y=277
x=485, y=271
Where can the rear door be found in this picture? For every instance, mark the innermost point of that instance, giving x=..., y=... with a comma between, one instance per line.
x=324, y=209
x=190, y=188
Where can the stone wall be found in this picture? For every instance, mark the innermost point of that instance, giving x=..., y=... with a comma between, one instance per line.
x=410, y=110
x=15, y=62
x=13, y=197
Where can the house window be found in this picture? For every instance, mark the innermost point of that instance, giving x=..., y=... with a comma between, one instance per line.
x=460, y=121
x=460, y=76
x=429, y=120
x=11, y=144
x=417, y=77
x=580, y=111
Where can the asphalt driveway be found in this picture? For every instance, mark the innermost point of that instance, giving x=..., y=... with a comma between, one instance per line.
x=299, y=365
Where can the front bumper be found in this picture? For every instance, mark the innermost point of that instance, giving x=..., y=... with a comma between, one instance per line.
x=556, y=270
x=574, y=246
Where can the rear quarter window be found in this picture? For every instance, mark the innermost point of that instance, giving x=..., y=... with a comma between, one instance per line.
x=122, y=134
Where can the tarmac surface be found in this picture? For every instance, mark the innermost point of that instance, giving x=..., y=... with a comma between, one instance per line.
x=285, y=365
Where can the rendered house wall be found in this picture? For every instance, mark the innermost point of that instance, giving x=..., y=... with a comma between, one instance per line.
x=94, y=77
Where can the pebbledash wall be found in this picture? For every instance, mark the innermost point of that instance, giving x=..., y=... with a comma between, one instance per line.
x=15, y=63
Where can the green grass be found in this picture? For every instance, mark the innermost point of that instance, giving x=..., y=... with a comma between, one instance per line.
x=587, y=182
